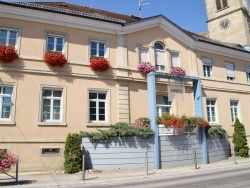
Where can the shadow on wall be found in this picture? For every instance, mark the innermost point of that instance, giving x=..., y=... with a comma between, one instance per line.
x=88, y=161
x=16, y=65
x=181, y=142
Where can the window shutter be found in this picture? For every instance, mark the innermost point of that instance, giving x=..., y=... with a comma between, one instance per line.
x=175, y=59
x=160, y=57
x=206, y=61
x=143, y=55
x=230, y=69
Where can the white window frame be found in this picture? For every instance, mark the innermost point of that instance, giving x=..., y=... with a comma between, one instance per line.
x=230, y=76
x=62, y=121
x=209, y=112
x=171, y=60
x=160, y=106
x=248, y=74
x=55, y=42
x=164, y=54
x=97, y=50
x=140, y=55
x=207, y=67
x=1, y=101
x=97, y=106
x=234, y=110
x=8, y=36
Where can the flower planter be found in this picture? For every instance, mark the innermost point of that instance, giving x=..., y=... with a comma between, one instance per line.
x=7, y=53
x=145, y=68
x=191, y=130
x=99, y=64
x=178, y=71
x=55, y=59
x=162, y=130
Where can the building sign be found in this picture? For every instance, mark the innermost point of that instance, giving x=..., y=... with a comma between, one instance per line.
x=175, y=91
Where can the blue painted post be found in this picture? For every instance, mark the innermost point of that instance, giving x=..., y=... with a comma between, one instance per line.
x=152, y=115
x=199, y=113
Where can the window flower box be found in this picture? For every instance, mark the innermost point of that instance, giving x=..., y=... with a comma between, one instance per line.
x=8, y=53
x=145, y=68
x=177, y=71
x=99, y=64
x=163, y=130
x=55, y=59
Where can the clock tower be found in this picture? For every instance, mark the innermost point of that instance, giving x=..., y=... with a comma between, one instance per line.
x=228, y=21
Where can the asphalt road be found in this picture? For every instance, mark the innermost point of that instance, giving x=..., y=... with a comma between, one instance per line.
x=237, y=176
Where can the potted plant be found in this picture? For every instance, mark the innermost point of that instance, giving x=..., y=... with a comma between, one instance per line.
x=8, y=53
x=193, y=123
x=177, y=71
x=55, y=59
x=142, y=122
x=145, y=68
x=7, y=160
x=99, y=64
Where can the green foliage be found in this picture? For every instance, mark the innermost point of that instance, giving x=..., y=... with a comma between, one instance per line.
x=120, y=129
x=216, y=130
x=72, y=154
x=240, y=140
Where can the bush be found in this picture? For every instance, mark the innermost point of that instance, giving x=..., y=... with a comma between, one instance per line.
x=216, y=130
x=120, y=129
x=240, y=140
x=142, y=122
x=72, y=154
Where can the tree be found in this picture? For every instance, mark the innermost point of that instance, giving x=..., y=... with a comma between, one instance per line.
x=72, y=154
x=240, y=140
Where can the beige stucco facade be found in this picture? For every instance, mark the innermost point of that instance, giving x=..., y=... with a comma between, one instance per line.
x=127, y=96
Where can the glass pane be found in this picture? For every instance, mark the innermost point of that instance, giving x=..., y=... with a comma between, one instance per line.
x=92, y=117
x=46, y=102
x=3, y=36
x=101, y=111
x=59, y=41
x=6, y=112
x=92, y=95
x=57, y=93
x=46, y=109
x=93, y=52
x=93, y=45
x=158, y=46
x=51, y=40
x=165, y=100
x=165, y=110
x=6, y=101
x=59, y=48
x=102, y=104
x=102, y=96
x=46, y=93
x=101, y=49
x=57, y=103
x=101, y=53
x=92, y=104
x=56, y=112
x=7, y=90
x=101, y=117
x=13, y=34
x=12, y=42
x=92, y=110
x=50, y=47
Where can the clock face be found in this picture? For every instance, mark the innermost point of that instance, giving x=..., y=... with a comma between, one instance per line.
x=224, y=24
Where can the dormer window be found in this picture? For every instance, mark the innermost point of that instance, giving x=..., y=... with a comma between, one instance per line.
x=221, y=4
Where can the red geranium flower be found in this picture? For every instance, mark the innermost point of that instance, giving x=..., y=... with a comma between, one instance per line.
x=55, y=59
x=8, y=53
x=99, y=64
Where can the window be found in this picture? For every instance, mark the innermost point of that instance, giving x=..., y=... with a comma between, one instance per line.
x=5, y=102
x=55, y=43
x=230, y=71
x=97, y=49
x=8, y=37
x=175, y=60
x=143, y=55
x=207, y=67
x=221, y=4
x=248, y=74
x=52, y=105
x=159, y=57
x=97, y=107
x=234, y=110
x=211, y=110
x=163, y=105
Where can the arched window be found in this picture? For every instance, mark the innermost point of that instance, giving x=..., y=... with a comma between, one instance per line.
x=160, y=57
x=221, y=4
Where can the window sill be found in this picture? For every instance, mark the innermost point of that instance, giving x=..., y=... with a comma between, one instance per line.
x=50, y=124
x=98, y=124
x=214, y=124
x=7, y=123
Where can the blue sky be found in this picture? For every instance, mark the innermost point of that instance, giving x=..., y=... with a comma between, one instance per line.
x=188, y=14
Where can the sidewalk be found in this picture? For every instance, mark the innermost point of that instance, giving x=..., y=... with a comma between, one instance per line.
x=95, y=178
